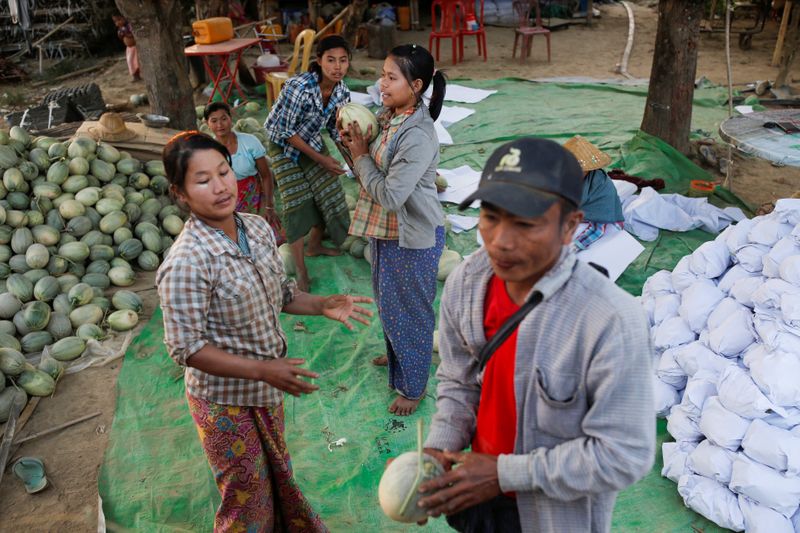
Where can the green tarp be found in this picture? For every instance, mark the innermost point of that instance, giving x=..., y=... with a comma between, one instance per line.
x=155, y=478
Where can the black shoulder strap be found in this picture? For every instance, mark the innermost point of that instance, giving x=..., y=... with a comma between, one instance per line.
x=511, y=324
x=507, y=329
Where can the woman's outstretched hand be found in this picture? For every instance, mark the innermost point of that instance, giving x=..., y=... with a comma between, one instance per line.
x=343, y=308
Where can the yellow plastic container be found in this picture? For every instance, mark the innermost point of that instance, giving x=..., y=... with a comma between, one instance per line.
x=213, y=30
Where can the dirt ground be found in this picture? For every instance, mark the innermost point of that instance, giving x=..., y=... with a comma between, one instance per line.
x=73, y=456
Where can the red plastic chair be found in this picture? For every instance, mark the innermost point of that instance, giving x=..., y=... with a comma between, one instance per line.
x=479, y=33
x=451, y=13
x=526, y=31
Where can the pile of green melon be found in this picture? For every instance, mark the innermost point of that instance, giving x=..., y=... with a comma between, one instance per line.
x=76, y=219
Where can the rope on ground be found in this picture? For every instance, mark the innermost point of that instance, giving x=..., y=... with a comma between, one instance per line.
x=728, y=9
x=622, y=66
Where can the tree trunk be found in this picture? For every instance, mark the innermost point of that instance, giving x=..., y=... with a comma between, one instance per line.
x=668, y=112
x=353, y=20
x=790, y=48
x=156, y=26
x=212, y=8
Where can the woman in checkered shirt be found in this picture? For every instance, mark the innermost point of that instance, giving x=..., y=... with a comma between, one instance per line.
x=399, y=211
x=222, y=288
x=312, y=198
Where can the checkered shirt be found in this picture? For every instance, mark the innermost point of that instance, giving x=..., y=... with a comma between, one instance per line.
x=371, y=219
x=299, y=110
x=593, y=232
x=212, y=292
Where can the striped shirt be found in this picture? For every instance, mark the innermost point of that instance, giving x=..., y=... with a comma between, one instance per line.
x=299, y=111
x=582, y=385
x=230, y=295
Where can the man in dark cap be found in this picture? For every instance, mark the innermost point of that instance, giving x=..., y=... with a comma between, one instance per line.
x=557, y=405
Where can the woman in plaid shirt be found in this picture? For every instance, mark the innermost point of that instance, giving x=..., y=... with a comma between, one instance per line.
x=222, y=288
x=308, y=177
x=399, y=211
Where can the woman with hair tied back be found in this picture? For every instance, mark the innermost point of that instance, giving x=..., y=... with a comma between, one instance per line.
x=222, y=288
x=399, y=211
x=308, y=177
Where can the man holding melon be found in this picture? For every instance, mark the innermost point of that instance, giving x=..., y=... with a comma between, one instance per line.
x=557, y=406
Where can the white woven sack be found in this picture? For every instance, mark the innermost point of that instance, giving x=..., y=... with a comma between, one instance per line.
x=772, y=446
x=673, y=332
x=711, y=461
x=682, y=427
x=711, y=259
x=669, y=371
x=664, y=396
x=734, y=274
x=768, y=231
x=720, y=426
x=743, y=288
x=712, y=500
x=697, y=302
x=739, y=394
x=665, y=306
x=761, y=519
x=777, y=374
x=675, y=454
x=765, y=485
x=696, y=356
x=734, y=335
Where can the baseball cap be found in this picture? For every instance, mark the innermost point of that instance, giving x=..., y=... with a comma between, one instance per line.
x=528, y=175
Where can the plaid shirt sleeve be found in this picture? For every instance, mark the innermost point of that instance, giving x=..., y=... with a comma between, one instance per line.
x=287, y=112
x=342, y=96
x=183, y=289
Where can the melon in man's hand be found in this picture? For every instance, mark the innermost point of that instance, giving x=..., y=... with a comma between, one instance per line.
x=398, y=490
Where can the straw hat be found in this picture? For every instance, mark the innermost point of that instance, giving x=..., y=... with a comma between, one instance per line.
x=111, y=127
x=588, y=155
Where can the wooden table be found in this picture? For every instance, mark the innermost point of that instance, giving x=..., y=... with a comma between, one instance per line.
x=748, y=134
x=226, y=50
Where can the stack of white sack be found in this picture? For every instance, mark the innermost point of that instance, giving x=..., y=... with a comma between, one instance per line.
x=726, y=328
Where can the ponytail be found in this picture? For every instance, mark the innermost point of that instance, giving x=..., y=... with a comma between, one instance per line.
x=437, y=96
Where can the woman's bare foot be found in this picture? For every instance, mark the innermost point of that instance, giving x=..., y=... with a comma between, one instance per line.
x=315, y=250
x=403, y=406
x=381, y=360
x=303, y=282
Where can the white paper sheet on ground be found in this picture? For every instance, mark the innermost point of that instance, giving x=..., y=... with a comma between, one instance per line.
x=614, y=251
x=462, y=223
x=361, y=98
x=442, y=134
x=744, y=109
x=461, y=182
x=460, y=93
x=452, y=114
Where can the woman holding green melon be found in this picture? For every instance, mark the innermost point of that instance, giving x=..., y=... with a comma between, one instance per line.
x=399, y=212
